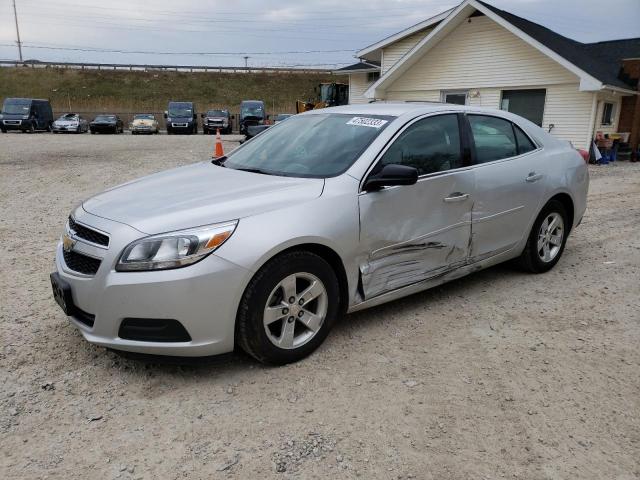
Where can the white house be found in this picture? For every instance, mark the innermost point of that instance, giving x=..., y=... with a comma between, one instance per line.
x=476, y=54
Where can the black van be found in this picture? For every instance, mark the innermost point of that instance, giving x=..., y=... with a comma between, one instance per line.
x=26, y=114
x=181, y=118
x=252, y=112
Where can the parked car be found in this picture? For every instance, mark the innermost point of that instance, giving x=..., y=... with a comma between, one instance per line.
x=216, y=119
x=107, y=124
x=181, y=118
x=144, y=123
x=26, y=115
x=252, y=112
x=332, y=211
x=70, y=122
x=282, y=117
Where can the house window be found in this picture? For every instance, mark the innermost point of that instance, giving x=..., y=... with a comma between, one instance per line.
x=373, y=76
x=608, y=111
x=458, y=97
x=528, y=103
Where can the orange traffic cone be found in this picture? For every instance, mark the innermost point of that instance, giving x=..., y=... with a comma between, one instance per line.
x=218, y=152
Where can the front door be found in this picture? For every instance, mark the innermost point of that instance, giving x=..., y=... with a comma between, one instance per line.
x=509, y=185
x=413, y=233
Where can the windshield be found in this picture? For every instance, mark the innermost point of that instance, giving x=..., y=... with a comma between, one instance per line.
x=69, y=116
x=104, y=118
x=16, y=107
x=216, y=113
x=180, y=110
x=144, y=116
x=318, y=145
x=252, y=111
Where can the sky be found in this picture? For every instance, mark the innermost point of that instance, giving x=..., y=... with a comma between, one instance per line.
x=283, y=33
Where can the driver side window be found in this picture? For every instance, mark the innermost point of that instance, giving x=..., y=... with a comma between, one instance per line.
x=430, y=145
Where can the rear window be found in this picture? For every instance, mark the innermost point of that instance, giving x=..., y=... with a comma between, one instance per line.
x=493, y=137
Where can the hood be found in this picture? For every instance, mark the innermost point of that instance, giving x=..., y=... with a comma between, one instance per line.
x=104, y=122
x=180, y=119
x=66, y=122
x=143, y=121
x=217, y=119
x=13, y=116
x=199, y=194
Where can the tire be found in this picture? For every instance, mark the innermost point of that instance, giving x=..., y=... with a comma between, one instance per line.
x=265, y=288
x=532, y=258
x=31, y=129
x=93, y=132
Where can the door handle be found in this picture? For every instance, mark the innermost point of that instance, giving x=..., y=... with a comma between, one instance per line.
x=456, y=197
x=533, y=177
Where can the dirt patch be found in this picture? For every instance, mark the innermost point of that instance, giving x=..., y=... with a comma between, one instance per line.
x=497, y=375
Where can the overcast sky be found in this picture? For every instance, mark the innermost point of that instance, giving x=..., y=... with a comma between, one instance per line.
x=268, y=31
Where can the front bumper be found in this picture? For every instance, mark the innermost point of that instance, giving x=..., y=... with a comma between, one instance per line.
x=15, y=124
x=103, y=128
x=144, y=129
x=203, y=297
x=65, y=128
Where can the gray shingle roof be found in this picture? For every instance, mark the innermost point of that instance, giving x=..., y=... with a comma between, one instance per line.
x=602, y=60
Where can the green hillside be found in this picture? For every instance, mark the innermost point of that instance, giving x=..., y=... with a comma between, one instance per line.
x=138, y=91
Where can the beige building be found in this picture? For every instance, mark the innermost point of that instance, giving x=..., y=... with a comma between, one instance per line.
x=476, y=54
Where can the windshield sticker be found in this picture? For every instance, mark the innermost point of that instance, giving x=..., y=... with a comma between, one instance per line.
x=367, y=122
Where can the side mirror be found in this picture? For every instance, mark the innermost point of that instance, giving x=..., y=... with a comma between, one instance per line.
x=195, y=116
x=166, y=114
x=233, y=117
x=202, y=115
x=391, y=175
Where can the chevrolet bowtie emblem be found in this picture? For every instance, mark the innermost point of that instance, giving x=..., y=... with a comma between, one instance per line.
x=67, y=243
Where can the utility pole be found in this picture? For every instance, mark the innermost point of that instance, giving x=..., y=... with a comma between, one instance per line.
x=15, y=16
x=246, y=58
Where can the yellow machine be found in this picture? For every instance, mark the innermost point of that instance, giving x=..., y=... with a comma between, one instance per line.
x=329, y=95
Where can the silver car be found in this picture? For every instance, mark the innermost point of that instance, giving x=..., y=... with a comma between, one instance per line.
x=332, y=211
x=70, y=122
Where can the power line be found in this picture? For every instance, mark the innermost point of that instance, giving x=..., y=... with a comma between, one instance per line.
x=151, y=52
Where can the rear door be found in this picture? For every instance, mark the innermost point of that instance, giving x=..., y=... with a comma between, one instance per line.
x=509, y=185
x=413, y=233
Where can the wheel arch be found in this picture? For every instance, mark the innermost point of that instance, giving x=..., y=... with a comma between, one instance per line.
x=566, y=200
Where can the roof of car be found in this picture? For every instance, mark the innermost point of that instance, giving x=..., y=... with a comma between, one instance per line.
x=392, y=108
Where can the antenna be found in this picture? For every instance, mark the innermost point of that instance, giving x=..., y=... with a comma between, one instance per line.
x=15, y=16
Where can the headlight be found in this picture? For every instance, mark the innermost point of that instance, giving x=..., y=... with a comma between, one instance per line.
x=174, y=249
x=25, y=117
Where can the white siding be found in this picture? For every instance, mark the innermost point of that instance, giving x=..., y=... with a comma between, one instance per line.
x=481, y=54
x=569, y=110
x=396, y=51
x=358, y=84
x=485, y=59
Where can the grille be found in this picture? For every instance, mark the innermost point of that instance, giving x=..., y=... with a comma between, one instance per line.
x=81, y=263
x=88, y=234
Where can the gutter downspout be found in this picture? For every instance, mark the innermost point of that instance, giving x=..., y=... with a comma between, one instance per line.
x=592, y=122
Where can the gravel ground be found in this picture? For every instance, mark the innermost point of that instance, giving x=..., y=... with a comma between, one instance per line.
x=497, y=375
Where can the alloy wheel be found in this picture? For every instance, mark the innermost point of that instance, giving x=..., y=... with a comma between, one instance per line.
x=295, y=311
x=550, y=237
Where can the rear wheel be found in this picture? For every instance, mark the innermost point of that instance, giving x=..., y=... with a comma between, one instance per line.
x=288, y=308
x=547, y=239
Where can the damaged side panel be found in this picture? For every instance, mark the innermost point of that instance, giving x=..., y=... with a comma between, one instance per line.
x=411, y=234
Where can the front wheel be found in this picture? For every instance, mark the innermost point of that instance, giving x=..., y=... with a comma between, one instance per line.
x=288, y=308
x=547, y=239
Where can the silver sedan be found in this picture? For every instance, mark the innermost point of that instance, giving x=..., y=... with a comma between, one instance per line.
x=332, y=211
